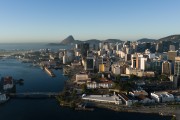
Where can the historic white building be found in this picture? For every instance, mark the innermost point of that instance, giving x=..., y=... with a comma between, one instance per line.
x=162, y=97
x=102, y=84
x=82, y=78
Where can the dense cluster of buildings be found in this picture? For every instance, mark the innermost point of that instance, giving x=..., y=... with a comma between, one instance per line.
x=108, y=60
x=124, y=59
x=143, y=60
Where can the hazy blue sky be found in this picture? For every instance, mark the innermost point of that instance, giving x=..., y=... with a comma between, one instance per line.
x=53, y=20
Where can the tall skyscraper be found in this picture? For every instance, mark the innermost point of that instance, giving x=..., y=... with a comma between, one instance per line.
x=177, y=71
x=89, y=63
x=143, y=61
x=177, y=66
x=166, y=68
x=171, y=55
x=157, y=66
x=84, y=47
x=134, y=61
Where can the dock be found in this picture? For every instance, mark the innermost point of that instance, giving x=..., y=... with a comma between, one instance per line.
x=50, y=72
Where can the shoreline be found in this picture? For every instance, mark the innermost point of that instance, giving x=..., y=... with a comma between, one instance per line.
x=159, y=109
x=162, y=111
x=121, y=109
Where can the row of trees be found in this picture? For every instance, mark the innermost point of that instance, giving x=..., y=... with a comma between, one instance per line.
x=126, y=85
x=122, y=85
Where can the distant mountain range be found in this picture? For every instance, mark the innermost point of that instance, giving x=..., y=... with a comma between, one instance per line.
x=173, y=38
x=146, y=40
x=70, y=40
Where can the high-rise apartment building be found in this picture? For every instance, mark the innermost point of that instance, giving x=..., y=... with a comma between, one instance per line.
x=166, y=68
x=171, y=55
x=177, y=66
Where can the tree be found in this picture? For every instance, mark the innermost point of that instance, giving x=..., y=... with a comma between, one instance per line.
x=173, y=118
x=117, y=82
x=133, y=77
x=163, y=78
x=118, y=77
x=84, y=88
x=74, y=93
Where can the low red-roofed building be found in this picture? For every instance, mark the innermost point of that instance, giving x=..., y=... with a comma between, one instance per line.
x=7, y=83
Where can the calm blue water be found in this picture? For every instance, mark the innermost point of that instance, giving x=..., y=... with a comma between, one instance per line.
x=35, y=79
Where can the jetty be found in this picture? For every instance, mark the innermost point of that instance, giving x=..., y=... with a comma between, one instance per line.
x=49, y=71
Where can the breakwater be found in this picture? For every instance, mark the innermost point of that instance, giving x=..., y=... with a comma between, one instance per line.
x=49, y=71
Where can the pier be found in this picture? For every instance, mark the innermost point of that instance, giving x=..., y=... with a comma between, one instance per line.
x=50, y=72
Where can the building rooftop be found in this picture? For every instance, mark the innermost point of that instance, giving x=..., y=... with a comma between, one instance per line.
x=102, y=97
x=8, y=80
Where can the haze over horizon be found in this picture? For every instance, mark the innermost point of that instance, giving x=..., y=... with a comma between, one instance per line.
x=52, y=21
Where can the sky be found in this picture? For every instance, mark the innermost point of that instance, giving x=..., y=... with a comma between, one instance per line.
x=54, y=20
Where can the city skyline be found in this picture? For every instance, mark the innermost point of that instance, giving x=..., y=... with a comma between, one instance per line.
x=52, y=21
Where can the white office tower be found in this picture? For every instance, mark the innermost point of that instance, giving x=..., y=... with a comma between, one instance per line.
x=64, y=59
x=115, y=69
x=138, y=61
x=76, y=46
x=177, y=66
x=127, y=50
x=100, y=45
x=143, y=63
x=118, y=46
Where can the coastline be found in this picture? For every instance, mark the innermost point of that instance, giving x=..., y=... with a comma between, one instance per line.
x=162, y=110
